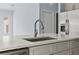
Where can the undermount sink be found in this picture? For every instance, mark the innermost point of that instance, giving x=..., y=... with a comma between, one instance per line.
x=39, y=39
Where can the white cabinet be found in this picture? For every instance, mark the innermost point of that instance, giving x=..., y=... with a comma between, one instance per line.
x=43, y=50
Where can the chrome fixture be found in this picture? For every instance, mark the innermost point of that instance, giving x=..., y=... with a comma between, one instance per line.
x=35, y=30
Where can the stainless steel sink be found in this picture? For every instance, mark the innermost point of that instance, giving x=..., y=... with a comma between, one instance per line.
x=39, y=39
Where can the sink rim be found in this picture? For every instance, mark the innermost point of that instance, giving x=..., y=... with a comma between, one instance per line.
x=37, y=39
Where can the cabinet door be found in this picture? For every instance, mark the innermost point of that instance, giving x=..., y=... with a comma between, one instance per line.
x=74, y=43
x=52, y=49
x=43, y=50
x=75, y=51
x=62, y=46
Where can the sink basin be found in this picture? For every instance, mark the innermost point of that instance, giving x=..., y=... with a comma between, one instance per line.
x=39, y=39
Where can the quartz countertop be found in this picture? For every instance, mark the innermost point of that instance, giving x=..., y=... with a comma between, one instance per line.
x=16, y=42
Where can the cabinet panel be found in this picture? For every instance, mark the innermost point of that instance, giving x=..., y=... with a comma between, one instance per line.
x=62, y=46
x=75, y=51
x=74, y=43
x=52, y=48
x=31, y=51
x=63, y=53
x=43, y=50
x=74, y=46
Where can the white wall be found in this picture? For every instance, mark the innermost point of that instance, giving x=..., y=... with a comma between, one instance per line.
x=24, y=18
x=6, y=6
x=9, y=14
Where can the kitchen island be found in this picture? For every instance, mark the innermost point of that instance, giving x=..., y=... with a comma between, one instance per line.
x=62, y=45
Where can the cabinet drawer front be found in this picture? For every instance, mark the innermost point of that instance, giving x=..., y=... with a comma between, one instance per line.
x=62, y=46
x=41, y=50
x=74, y=43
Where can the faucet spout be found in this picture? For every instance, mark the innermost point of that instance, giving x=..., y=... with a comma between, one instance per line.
x=35, y=30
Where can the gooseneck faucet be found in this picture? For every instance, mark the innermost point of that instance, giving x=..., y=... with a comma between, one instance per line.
x=35, y=30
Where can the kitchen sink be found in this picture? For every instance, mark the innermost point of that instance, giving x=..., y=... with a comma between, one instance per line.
x=39, y=39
